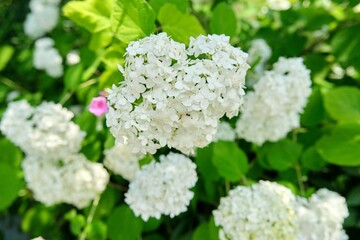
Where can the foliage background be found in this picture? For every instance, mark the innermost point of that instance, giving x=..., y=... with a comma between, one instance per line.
x=324, y=152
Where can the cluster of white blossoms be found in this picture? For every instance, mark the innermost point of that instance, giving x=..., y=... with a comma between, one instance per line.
x=42, y=18
x=262, y=211
x=46, y=130
x=267, y=210
x=272, y=109
x=73, y=179
x=122, y=161
x=322, y=216
x=175, y=96
x=162, y=187
x=225, y=132
x=54, y=170
x=47, y=58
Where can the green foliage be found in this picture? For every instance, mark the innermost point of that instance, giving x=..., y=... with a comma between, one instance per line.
x=131, y=20
x=6, y=52
x=123, y=225
x=341, y=146
x=223, y=20
x=281, y=155
x=94, y=15
x=343, y=104
x=9, y=185
x=206, y=230
x=180, y=26
x=230, y=161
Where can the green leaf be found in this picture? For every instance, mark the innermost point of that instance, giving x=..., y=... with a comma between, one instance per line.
x=107, y=202
x=97, y=230
x=230, y=161
x=343, y=104
x=6, y=52
x=206, y=230
x=204, y=163
x=131, y=20
x=314, y=111
x=178, y=25
x=109, y=77
x=123, y=225
x=312, y=160
x=100, y=39
x=114, y=55
x=342, y=146
x=152, y=224
x=346, y=47
x=10, y=154
x=9, y=185
x=223, y=20
x=93, y=15
x=282, y=155
x=353, y=198
x=77, y=221
x=182, y=5
x=38, y=220
x=73, y=76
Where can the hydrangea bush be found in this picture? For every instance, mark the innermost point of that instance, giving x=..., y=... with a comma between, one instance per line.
x=181, y=120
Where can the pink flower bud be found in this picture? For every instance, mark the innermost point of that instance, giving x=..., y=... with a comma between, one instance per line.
x=98, y=106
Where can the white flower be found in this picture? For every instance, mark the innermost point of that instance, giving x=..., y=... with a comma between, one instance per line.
x=259, y=51
x=43, y=131
x=171, y=97
x=162, y=187
x=224, y=133
x=259, y=54
x=122, y=161
x=14, y=123
x=42, y=18
x=279, y=4
x=73, y=179
x=263, y=211
x=72, y=57
x=272, y=109
x=47, y=58
x=322, y=216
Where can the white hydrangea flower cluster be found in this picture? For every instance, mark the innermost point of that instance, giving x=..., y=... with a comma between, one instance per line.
x=175, y=96
x=43, y=17
x=272, y=109
x=47, y=58
x=267, y=210
x=73, y=180
x=225, y=132
x=262, y=211
x=53, y=168
x=46, y=130
x=122, y=161
x=162, y=187
x=259, y=53
x=322, y=216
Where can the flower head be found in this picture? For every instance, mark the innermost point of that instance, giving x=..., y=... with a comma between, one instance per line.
x=163, y=187
x=263, y=211
x=98, y=106
x=175, y=96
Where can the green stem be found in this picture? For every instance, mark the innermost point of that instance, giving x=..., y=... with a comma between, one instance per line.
x=90, y=217
x=8, y=82
x=227, y=187
x=300, y=180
